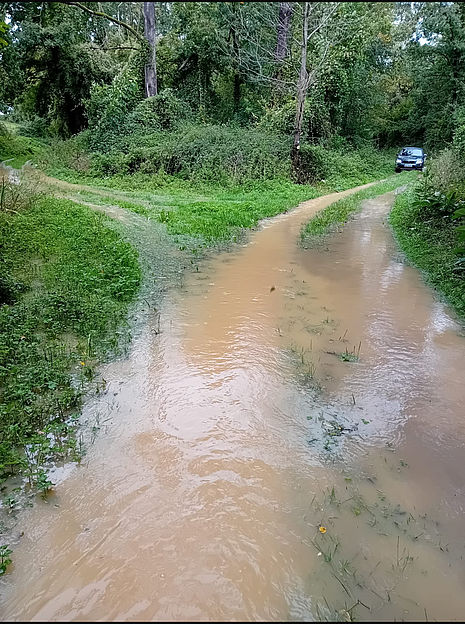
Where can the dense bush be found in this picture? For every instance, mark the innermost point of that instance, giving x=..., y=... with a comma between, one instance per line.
x=209, y=153
x=36, y=127
x=437, y=205
x=14, y=147
x=319, y=162
x=161, y=112
x=212, y=154
x=441, y=191
x=109, y=105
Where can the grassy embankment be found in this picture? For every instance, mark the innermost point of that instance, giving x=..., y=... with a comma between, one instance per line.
x=16, y=149
x=430, y=245
x=66, y=281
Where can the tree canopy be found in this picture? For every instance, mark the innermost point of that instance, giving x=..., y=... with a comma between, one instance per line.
x=376, y=72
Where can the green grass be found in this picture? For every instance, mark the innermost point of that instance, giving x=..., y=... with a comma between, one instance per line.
x=17, y=149
x=339, y=212
x=66, y=281
x=429, y=245
x=208, y=212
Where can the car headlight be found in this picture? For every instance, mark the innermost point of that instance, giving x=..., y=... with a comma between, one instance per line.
x=398, y=160
x=419, y=161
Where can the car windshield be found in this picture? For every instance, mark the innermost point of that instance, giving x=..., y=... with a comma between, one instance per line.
x=411, y=151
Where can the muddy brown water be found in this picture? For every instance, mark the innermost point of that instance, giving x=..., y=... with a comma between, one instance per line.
x=245, y=471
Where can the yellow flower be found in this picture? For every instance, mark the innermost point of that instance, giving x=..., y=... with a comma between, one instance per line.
x=83, y=363
x=322, y=529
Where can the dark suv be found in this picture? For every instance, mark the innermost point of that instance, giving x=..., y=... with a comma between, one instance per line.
x=410, y=158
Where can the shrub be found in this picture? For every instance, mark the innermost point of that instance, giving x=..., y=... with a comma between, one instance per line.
x=17, y=191
x=441, y=191
x=314, y=162
x=109, y=105
x=37, y=127
x=71, y=154
x=161, y=112
x=209, y=153
x=445, y=172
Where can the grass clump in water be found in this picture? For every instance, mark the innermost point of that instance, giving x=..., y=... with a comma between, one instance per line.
x=67, y=279
x=339, y=212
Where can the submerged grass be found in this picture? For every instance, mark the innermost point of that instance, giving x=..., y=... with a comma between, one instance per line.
x=67, y=279
x=429, y=245
x=339, y=212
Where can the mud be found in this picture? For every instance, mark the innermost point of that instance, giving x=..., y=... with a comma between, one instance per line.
x=286, y=443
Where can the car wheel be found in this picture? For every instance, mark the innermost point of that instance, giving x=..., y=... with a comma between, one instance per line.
x=397, y=170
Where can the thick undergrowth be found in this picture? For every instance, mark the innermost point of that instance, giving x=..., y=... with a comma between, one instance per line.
x=202, y=153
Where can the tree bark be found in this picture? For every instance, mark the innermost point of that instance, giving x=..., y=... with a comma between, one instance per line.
x=237, y=78
x=302, y=87
x=284, y=24
x=150, y=25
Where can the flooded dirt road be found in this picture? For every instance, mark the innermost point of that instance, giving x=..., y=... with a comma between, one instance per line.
x=289, y=447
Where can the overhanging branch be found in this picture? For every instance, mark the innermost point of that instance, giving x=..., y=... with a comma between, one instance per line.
x=129, y=28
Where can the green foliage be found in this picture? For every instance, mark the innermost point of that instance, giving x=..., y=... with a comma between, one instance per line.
x=67, y=281
x=216, y=154
x=16, y=149
x=109, y=105
x=36, y=127
x=5, y=558
x=47, y=71
x=161, y=112
x=209, y=153
x=460, y=231
x=430, y=244
x=3, y=30
x=341, y=167
x=440, y=199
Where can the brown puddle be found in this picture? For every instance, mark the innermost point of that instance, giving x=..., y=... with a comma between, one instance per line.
x=229, y=439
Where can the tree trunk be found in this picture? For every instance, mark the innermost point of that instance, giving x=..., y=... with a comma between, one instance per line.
x=237, y=77
x=150, y=25
x=284, y=24
x=302, y=86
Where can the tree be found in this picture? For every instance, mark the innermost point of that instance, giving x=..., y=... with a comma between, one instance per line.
x=150, y=24
x=151, y=87
x=314, y=18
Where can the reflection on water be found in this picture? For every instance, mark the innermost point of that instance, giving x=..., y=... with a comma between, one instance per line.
x=290, y=447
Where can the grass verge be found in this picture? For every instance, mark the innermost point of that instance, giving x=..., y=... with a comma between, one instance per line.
x=66, y=281
x=338, y=213
x=429, y=245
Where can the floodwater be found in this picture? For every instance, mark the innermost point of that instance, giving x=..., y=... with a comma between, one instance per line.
x=289, y=446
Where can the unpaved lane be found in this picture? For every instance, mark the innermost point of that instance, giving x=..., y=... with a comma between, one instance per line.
x=238, y=432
